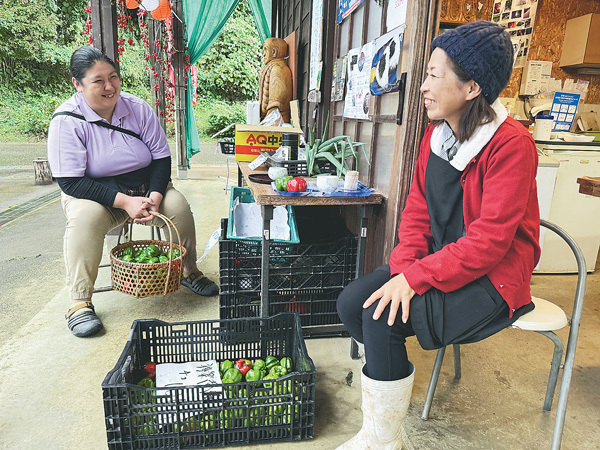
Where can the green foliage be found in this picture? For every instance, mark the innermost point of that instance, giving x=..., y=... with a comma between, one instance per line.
x=222, y=114
x=230, y=70
x=30, y=116
x=36, y=40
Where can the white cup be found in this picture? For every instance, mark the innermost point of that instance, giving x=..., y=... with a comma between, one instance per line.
x=277, y=172
x=351, y=180
x=327, y=183
x=543, y=128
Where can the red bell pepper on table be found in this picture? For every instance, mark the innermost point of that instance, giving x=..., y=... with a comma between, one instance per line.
x=296, y=184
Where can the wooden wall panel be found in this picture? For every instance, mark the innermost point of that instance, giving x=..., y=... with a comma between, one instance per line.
x=546, y=43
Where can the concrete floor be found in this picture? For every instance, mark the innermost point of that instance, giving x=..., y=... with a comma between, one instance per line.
x=50, y=381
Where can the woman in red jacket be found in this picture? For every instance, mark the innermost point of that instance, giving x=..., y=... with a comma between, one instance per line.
x=468, y=236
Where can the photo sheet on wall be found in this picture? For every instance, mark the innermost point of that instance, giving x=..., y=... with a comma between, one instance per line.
x=384, y=69
x=518, y=17
x=358, y=94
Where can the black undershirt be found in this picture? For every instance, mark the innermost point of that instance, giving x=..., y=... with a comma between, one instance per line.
x=104, y=190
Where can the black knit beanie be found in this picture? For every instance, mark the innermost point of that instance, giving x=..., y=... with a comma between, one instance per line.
x=484, y=51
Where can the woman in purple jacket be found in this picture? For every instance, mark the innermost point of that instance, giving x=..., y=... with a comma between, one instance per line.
x=468, y=236
x=111, y=159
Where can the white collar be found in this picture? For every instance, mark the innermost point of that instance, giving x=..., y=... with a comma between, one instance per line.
x=469, y=149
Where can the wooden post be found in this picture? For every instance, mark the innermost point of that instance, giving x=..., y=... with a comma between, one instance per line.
x=180, y=90
x=43, y=174
x=104, y=28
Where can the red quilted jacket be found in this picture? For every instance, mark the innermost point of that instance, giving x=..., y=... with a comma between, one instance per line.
x=502, y=222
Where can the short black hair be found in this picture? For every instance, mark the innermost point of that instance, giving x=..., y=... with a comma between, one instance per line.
x=85, y=57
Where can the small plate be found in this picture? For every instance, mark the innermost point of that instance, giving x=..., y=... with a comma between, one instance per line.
x=260, y=178
x=571, y=137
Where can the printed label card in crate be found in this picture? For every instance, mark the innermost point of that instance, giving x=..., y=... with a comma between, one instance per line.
x=176, y=375
x=188, y=374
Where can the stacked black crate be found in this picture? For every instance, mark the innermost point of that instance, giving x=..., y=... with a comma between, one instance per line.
x=305, y=278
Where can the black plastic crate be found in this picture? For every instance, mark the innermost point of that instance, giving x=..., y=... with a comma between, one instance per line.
x=316, y=307
x=227, y=148
x=292, y=267
x=199, y=416
x=298, y=168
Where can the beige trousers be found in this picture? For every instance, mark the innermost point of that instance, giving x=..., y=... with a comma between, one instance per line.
x=89, y=221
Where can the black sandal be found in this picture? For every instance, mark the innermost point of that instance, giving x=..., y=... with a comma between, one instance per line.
x=85, y=323
x=201, y=285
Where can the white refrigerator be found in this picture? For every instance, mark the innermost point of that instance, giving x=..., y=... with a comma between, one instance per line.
x=578, y=214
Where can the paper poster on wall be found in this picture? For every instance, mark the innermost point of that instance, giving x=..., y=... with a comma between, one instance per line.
x=396, y=14
x=358, y=94
x=339, y=79
x=347, y=7
x=518, y=17
x=315, y=45
x=384, y=69
x=564, y=108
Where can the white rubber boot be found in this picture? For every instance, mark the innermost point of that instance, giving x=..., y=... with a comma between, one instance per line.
x=384, y=406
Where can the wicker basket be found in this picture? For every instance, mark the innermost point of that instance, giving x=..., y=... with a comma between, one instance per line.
x=145, y=280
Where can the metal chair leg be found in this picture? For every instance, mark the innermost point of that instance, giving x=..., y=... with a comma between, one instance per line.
x=554, y=368
x=437, y=366
x=457, y=371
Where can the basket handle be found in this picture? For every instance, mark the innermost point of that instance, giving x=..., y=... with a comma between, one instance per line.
x=169, y=224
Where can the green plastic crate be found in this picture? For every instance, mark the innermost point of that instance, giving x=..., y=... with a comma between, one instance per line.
x=245, y=196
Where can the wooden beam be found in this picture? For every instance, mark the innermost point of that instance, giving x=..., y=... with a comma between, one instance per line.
x=180, y=90
x=408, y=136
x=104, y=28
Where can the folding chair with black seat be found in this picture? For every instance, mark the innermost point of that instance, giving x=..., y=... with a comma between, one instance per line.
x=544, y=319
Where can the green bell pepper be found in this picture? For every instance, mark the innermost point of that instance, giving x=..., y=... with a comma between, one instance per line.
x=232, y=375
x=278, y=371
x=286, y=363
x=269, y=377
x=281, y=183
x=153, y=250
x=254, y=374
x=271, y=361
x=259, y=364
x=225, y=366
x=147, y=382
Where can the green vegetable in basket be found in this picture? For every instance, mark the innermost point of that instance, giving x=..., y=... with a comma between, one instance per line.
x=127, y=258
x=163, y=258
x=175, y=252
x=254, y=374
x=278, y=371
x=153, y=250
x=286, y=363
x=147, y=382
x=128, y=251
x=281, y=183
x=259, y=364
x=271, y=361
x=232, y=375
x=270, y=376
x=225, y=366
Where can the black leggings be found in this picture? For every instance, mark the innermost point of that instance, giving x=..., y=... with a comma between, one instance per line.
x=384, y=345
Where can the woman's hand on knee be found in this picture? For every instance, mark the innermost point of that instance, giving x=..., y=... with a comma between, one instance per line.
x=398, y=292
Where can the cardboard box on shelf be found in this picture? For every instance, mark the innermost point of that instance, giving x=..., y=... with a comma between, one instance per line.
x=580, y=47
x=250, y=140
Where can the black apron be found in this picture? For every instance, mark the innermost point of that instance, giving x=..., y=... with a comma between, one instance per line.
x=473, y=312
